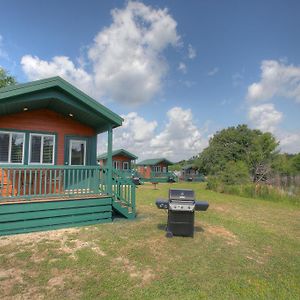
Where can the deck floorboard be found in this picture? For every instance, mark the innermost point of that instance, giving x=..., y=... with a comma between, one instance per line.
x=53, y=198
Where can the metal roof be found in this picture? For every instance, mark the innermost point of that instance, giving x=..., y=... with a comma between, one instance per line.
x=154, y=161
x=118, y=152
x=57, y=94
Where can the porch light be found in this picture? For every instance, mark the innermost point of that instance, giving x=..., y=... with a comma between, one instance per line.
x=71, y=115
x=25, y=108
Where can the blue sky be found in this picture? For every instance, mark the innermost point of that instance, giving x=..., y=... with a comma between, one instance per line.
x=177, y=71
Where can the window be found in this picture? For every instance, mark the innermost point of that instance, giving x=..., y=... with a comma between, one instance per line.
x=77, y=153
x=125, y=165
x=12, y=147
x=41, y=149
x=156, y=169
x=116, y=164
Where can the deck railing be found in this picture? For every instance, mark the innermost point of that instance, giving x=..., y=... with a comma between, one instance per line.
x=42, y=182
x=23, y=182
x=167, y=175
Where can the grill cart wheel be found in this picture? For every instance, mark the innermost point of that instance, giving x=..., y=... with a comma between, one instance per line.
x=169, y=234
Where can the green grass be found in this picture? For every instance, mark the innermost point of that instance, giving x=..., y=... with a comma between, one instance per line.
x=243, y=248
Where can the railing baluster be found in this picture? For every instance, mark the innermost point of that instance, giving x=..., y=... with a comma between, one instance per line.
x=50, y=181
x=35, y=180
x=45, y=183
x=29, y=183
x=24, y=182
x=19, y=183
x=7, y=182
x=13, y=183
x=54, y=189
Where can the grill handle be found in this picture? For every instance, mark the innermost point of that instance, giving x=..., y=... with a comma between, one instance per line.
x=201, y=205
x=162, y=203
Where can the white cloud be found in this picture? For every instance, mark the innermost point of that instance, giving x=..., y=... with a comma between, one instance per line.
x=182, y=67
x=289, y=141
x=191, y=52
x=213, y=71
x=265, y=117
x=126, y=57
x=36, y=68
x=179, y=139
x=277, y=79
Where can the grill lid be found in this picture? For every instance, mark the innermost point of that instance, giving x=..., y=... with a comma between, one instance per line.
x=181, y=195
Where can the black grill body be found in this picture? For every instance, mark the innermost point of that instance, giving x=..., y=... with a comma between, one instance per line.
x=181, y=223
x=181, y=208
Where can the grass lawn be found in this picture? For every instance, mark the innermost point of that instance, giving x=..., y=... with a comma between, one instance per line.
x=242, y=249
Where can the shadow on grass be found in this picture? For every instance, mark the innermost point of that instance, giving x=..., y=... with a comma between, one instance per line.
x=163, y=227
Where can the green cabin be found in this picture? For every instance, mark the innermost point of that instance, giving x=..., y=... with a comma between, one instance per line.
x=49, y=175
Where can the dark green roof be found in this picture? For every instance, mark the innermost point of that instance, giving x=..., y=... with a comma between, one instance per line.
x=191, y=166
x=118, y=152
x=57, y=94
x=154, y=161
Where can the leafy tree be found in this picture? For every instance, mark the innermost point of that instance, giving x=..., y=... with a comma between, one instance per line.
x=296, y=163
x=233, y=144
x=283, y=164
x=235, y=173
x=6, y=79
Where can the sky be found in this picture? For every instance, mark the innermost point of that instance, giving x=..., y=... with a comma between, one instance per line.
x=176, y=71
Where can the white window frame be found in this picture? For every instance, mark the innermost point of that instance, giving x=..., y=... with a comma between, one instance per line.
x=42, y=148
x=156, y=169
x=9, y=147
x=126, y=163
x=70, y=152
x=117, y=163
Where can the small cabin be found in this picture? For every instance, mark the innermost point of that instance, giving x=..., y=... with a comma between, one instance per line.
x=49, y=176
x=191, y=173
x=122, y=160
x=156, y=168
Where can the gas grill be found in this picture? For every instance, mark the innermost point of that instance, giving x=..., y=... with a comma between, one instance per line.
x=181, y=208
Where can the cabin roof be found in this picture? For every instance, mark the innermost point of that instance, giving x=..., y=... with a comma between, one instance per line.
x=118, y=152
x=59, y=95
x=154, y=161
x=190, y=166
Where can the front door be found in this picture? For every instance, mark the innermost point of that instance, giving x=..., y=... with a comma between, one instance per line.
x=76, y=156
x=75, y=152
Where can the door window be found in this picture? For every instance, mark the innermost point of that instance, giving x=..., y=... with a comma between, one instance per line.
x=77, y=153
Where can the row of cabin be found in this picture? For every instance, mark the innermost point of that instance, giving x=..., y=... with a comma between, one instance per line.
x=125, y=161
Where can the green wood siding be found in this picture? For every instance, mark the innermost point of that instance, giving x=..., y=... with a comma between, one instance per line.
x=37, y=216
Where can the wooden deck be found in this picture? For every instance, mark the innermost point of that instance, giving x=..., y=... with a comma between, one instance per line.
x=54, y=198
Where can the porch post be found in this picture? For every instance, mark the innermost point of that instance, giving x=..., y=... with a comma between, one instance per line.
x=109, y=159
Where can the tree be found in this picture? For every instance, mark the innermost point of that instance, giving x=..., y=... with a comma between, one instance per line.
x=233, y=144
x=6, y=79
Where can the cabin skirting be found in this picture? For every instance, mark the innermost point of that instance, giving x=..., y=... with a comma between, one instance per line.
x=40, y=216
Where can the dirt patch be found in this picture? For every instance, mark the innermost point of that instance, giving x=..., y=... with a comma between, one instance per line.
x=8, y=279
x=75, y=245
x=56, y=282
x=220, y=208
x=34, y=237
x=146, y=275
x=220, y=231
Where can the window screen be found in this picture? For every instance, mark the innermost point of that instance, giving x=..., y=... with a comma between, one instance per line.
x=11, y=147
x=4, y=147
x=42, y=149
